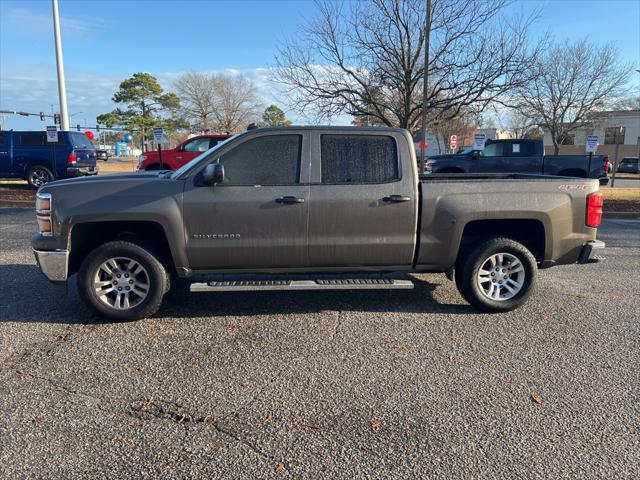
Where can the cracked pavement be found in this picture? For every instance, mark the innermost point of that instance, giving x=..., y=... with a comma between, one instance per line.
x=362, y=384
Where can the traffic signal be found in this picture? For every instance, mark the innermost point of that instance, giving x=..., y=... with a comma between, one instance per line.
x=56, y=118
x=42, y=116
x=78, y=127
x=98, y=128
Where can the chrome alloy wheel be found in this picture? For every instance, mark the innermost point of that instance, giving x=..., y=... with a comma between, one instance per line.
x=121, y=283
x=501, y=276
x=39, y=176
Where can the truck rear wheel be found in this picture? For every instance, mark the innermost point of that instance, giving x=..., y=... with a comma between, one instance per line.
x=38, y=175
x=122, y=281
x=497, y=276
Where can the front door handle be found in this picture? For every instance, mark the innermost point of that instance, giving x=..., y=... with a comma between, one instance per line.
x=396, y=198
x=289, y=200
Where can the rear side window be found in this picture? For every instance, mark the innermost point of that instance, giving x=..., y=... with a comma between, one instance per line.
x=38, y=139
x=32, y=139
x=521, y=149
x=268, y=160
x=80, y=140
x=359, y=159
x=2, y=142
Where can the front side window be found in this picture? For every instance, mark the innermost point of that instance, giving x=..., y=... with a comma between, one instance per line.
x=268, y=160
x=359, y=159
x=197, y=145
x=492, y=150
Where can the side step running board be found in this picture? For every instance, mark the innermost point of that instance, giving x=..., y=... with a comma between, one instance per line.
x=319, y=284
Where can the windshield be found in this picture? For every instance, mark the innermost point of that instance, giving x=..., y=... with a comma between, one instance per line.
x=187, y=166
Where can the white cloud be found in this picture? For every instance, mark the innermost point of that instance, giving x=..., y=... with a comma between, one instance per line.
x=29, y=23
x=35, y=89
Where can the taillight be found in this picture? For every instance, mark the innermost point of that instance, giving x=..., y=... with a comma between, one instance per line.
x=594, y=209
x=72, y=158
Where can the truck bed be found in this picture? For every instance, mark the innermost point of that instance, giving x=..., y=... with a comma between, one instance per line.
x=553, y=208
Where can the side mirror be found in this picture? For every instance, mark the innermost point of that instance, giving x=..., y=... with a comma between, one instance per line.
x=213, y=173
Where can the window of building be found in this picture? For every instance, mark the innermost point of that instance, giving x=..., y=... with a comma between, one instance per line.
x=610, y=134
x=359, y=159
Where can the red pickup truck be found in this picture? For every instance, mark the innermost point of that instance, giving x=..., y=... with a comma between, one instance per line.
x=174, y=158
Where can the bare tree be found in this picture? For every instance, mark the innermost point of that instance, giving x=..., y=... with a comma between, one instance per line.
x=236, y=103
x=219, y=101
x=366, y=59
x=197, y=95
x=575, y=82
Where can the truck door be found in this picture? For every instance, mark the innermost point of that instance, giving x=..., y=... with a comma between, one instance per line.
x=491, y=158
x=6, y=167
x=257, y=217
x=521, y=157
x=363, y=209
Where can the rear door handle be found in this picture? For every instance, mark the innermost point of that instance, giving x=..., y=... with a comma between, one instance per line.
x=289, y=200
x=396, y=198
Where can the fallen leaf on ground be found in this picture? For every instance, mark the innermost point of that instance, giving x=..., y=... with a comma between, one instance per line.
x=268, y=417
x=140, y=369
x=39, y=420
x=376, y=424
x=536, y=397
x=279, y=468
x=314, y=426
x=605, y=365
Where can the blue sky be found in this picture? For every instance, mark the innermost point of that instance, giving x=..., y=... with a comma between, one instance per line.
x=107, y=41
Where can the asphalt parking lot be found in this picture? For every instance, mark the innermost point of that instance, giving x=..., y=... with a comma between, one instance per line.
x=387, y=384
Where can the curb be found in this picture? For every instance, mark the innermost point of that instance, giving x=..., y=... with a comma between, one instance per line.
x=17, y=204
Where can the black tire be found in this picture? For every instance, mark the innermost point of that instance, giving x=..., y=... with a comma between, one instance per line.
x=156, y=166
x=158, y=281
x=38, y=175
x=469, y=265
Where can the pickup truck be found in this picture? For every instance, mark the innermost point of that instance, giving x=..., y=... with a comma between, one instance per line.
x=519, y=156
x=28, y=155
x=174, y=158
x=309, y=208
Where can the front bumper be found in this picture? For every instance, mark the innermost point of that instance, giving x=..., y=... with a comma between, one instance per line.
x=587, y=254
x=81, y=171
x=54, y=264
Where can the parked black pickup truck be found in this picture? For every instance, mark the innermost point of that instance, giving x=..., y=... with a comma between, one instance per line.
x=519, y=156
x=309, y=208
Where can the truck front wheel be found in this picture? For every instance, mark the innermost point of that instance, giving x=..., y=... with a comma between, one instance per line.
x=497, y=276
x=122, y=281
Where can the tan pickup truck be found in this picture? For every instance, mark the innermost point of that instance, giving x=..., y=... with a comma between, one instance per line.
x=310, y=208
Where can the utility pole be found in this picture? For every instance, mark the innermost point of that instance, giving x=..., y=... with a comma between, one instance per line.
x=619, y=132
x=62, y=88
x=425, y=86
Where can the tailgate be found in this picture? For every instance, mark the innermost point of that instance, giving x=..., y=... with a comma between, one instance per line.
x=84, y=150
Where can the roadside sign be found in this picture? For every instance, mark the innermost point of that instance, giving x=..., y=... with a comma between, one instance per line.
x=453, y=142
x=592, y=143
x=158, y=135
x=52, y=134
x=479, y=140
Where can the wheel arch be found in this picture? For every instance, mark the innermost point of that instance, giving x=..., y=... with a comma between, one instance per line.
x=572, y=172
x=529, y=232
x=148, y=234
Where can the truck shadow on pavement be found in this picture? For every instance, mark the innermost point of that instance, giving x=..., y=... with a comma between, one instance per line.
x=26, y=296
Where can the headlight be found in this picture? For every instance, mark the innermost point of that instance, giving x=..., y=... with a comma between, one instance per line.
x=43, y=214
